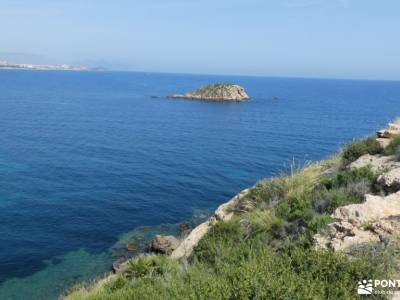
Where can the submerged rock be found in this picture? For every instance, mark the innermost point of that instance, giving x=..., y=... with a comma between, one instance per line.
x=216, y=92
x=132, y=246
x=184, y=228
x=164, y=244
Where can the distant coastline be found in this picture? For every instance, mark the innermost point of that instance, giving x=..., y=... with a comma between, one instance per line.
x=46, y=67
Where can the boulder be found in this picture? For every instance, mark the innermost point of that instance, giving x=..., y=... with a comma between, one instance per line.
x=374, y=208
x=391, y=179
x=372, y=221
x=164, y=244
x=378, y=163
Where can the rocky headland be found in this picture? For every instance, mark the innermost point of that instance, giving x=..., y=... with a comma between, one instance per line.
x=216, y=92
x=320, y=229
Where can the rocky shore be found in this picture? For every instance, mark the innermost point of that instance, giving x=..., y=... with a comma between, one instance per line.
x=183, y=248
x=344, y=204
x=216, y=92
x=377, y=218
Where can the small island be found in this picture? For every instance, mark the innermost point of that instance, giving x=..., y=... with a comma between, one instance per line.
x=216, y=92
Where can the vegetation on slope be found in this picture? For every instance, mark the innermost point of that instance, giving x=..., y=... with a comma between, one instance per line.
x=211, y=90
x=359, y=148
x=266, y=251
x=394, y=147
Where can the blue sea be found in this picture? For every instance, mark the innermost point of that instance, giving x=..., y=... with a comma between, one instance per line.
x=93, y=160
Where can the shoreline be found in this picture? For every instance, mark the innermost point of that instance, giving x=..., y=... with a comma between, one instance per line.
x=353, y=174
x=224, y=212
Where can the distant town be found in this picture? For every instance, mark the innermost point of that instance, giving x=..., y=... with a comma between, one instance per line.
x=63, y=67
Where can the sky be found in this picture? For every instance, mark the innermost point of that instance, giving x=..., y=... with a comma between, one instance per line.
x=290, y=38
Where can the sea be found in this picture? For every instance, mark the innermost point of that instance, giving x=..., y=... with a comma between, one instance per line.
x=92, y=162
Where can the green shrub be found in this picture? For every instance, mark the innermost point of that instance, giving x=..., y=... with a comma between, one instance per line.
x=252, y=270
x=360, y=147
x=264, y=221
x=319, y=221
x=397, y=154
x=345, y=187
x=393, y=146
x=297, y=207
x=326, y=201
x=348, y=177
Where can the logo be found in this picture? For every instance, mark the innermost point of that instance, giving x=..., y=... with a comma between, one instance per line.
x=365, y=287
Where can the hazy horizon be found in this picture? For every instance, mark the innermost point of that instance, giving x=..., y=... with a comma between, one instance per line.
x=293, y=38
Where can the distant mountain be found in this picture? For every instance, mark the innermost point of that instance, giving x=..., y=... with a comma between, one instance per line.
x=47, y=67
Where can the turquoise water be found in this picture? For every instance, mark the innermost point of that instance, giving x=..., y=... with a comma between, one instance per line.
x=86, y=158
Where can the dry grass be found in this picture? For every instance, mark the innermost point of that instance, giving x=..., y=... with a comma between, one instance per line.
x=266, y=193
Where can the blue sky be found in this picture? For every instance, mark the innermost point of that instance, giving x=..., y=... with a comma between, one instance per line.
x=302, y=38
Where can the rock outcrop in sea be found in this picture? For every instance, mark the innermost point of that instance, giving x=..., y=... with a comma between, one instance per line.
x=164, y=244
x=216, y=92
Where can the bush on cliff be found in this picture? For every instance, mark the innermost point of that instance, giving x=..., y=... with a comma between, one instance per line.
x=360, y=147
x=346, y=187
x=393, y=146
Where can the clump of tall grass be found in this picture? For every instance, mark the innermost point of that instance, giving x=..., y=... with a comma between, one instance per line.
x=269, y=192
x=150, y=266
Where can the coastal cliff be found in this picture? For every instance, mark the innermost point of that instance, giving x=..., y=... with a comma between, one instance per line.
x=216, y=92
x=312, y=233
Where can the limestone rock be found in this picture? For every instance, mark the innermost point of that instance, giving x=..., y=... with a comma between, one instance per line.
x=185, y=249
x=378, y=163
x=378, y=217
x=392, y=130
x=225, y=211
x=164, y=244
x=216, y=92
x=384, y=142
x=119, y=265
x=391, y=179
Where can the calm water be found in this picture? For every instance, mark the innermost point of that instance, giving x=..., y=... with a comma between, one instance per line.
x=87, y=157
